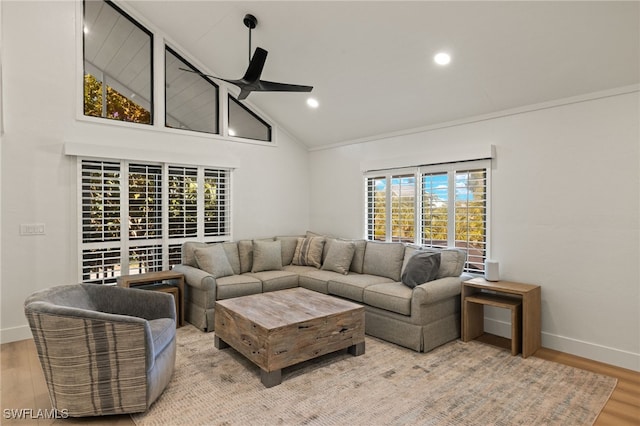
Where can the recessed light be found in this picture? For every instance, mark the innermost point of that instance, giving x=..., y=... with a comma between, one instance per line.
x=313, y=103
x=442, y=58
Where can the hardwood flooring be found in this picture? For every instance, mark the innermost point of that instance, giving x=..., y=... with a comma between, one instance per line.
x=22, y=386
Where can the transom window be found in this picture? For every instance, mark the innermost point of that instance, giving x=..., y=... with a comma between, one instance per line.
x=191, y=99
x=244, y=123
x=118, y=81
x=135, y=216
x=118, y=76
x=435, y=206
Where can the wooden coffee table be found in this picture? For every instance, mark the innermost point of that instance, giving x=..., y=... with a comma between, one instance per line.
x=282, y=328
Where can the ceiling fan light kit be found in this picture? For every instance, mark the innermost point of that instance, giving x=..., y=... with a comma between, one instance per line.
x=251, y=81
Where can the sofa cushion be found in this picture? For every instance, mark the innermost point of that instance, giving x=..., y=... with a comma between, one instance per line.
x=288, y=248
x=231, y=250
x=309, y=252
x=300, y=270
x=352, y=286
x=267, y=256
x=451, y=261
x=339, y=256
x=237, y=285
x=409, y=250
x=245, y=253
x=383, y=259
x=213, y=260
x=188, y=252
x=317, y=280
x=394, y=297
x=358, y=256
x=422, y=267
x=276, y=280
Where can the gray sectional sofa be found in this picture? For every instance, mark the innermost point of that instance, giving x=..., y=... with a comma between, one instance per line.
x=366, y=272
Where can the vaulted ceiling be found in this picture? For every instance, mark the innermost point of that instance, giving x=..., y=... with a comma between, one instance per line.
x=371, y=62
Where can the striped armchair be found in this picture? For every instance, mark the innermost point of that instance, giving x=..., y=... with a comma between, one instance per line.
x=103, y=349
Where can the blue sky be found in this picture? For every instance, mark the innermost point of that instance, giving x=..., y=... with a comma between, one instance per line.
x=438, y=184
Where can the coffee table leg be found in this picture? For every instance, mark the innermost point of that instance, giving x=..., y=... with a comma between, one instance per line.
x=357, y=349
x=270, y=378
x=219, y=343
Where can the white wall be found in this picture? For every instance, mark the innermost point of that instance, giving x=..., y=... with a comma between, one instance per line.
x=565, y=212
x=270, y=184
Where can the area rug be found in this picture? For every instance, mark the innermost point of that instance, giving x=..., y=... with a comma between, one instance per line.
x=456, y=384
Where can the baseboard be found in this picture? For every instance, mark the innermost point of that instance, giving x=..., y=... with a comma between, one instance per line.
x=14, y=334
x=572, y=346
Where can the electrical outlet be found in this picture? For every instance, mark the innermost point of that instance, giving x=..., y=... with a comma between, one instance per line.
x=32, y=229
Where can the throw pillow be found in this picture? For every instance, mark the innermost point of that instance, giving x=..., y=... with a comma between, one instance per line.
x=339, y=256
x=213, y=260
x=267, y=256
x=309, y=252
x=421, y=268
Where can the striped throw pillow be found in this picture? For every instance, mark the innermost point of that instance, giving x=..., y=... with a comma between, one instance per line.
x=309, y=252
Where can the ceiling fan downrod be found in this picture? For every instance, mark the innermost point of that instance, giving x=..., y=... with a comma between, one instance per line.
x=250, y=22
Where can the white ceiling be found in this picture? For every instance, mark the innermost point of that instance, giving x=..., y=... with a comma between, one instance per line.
x=371, y=63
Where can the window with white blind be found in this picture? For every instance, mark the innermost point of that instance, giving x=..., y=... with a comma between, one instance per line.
x=135, y=216
x=434, y=206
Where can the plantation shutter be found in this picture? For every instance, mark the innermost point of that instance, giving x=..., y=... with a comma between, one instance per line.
x=216, y=203
x=145, y=218
x=134, y=217
x=376, y=208
x=471, y=216
x=403, y=207
x=440, y=206
x=183, y=201
x=435, y=209
x=100, y=205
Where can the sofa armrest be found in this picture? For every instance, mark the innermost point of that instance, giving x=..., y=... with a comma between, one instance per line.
x=437, y=290
x=196, y=278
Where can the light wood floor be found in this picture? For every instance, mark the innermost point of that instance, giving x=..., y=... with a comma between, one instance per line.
x=22, y=386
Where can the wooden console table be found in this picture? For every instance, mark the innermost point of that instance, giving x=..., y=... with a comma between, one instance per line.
x=517, y=297
x=143, y=281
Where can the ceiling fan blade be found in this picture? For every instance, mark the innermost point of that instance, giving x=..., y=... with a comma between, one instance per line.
x=243, y=93
x=271, y=86
x=256, y=65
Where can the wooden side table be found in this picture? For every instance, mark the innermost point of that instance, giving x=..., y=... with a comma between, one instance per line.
x=155, y=277
x=478, y=292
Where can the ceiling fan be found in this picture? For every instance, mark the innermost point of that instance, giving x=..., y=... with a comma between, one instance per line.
x=251, y=81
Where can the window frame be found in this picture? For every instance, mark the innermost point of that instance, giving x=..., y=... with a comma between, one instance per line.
x=125, y=245
x=419, y=172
